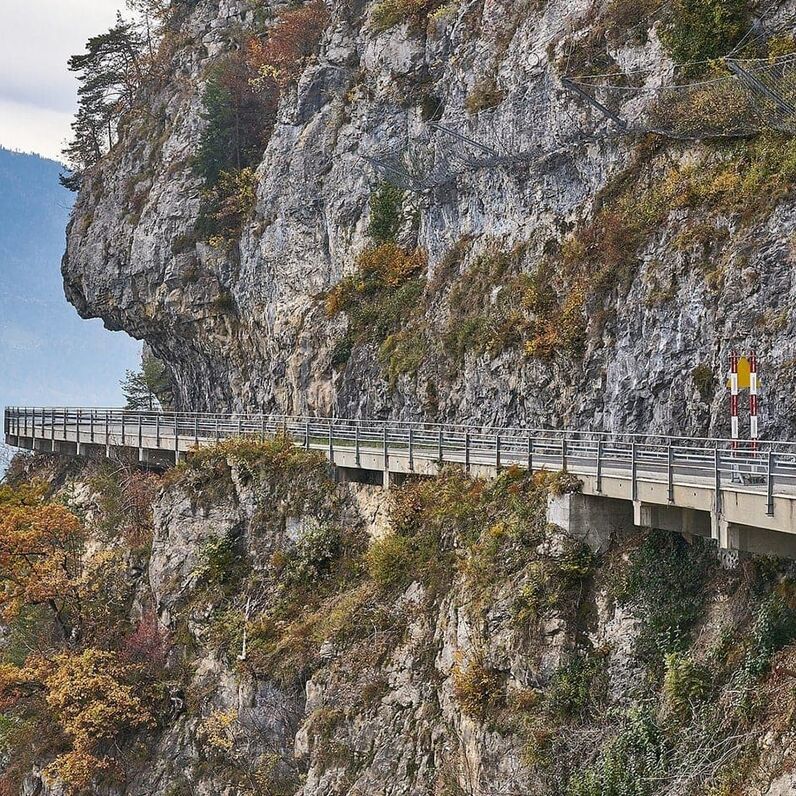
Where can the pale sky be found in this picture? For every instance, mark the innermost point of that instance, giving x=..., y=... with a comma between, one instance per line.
x=37, y=93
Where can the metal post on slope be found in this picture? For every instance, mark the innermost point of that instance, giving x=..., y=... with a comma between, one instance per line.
x=467, y=451
x=563, y=454
x=91, y=425
x=218, y=437
x=157, y=431
x=107, y=434
x=717, y=479
x=331, y=443
x=356, y=443
x=123, y=440
x=386, y=451
x=140, y=436
x=440, y=447
x=599, y=486
x=497, y=453
x=634, y=471
x=411, y=450
x=262, y=428
x=670, y=472
x=196, y=431
x=176, y=439
x=530, y=455
x=770, y=484
x=617, y=120
x=307, y=435
x=77, y=426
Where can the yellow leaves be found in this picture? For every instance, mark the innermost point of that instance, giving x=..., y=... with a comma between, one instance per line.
x=31, y=493
x=93, y=698
x=39, y=554
x=390, y=264
x=218, y=730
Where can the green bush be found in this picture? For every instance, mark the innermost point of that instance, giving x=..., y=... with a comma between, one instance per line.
x=577, y=688
x=386, y=212
x=389, y=561
x=629, y=765
x=704, y=381
x=775, y=627
x=222, y=563
x=312, y=557
x=685, y=684
x=700, y=30
x=665, y=582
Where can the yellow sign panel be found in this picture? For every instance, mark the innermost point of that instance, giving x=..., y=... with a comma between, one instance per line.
x=744, y=371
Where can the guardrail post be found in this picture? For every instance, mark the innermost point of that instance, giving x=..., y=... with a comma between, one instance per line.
x=717, y=477
x=52, y=427
x=78, y=418
x=107, y=435
x=497, y=452
x=770, y=484
x=356, y=443
x=65, y=421
x=33, y=425
x=91, y=426
x=306, y=435
x=123, y=416
x=530, y=455
x=331, y=443
x=599, y=486
x=670, y=472
x=633, y=471
x=564, y=454
x=411, y=450
x=196, y=431
x=26, y=422
x=467, y=451
x=176, y=439
x=440, y=447
x=262, y=428
x=386, y=450
x=140, y=437
x=218, y=432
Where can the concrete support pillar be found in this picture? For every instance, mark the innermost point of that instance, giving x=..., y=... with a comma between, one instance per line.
x=593, y=520
x=393, y=479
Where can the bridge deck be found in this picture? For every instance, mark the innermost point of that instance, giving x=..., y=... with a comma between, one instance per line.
x=735, y=486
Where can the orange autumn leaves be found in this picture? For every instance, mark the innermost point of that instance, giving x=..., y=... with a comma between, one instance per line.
x=40, y=557
x=72, y=698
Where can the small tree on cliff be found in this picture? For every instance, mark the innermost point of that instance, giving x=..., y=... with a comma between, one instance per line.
x=146, y=389
x=109, y=73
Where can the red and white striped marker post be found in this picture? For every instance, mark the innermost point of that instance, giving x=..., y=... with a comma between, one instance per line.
x=753, y=432
x=734, y=399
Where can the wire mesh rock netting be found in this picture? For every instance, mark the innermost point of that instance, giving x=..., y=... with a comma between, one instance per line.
x=556, y=115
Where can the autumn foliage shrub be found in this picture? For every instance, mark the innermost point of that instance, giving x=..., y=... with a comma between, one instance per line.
x=389, y=13
x=380, y=297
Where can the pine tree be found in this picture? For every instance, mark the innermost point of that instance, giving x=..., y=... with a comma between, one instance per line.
x=146, y=389
x=109, y=73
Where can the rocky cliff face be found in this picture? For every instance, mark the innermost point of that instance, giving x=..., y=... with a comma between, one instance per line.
x=296, y=636
x=635, y=264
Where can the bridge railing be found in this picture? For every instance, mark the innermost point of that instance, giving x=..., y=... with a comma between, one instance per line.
x=762, y=466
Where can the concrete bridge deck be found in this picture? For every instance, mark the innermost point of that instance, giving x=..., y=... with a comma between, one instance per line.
x=743, y=498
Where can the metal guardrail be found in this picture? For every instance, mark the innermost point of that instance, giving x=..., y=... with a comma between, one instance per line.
x=767, y=466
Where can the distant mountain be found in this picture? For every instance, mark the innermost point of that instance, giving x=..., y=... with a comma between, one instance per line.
x=48, y=354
